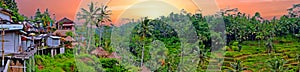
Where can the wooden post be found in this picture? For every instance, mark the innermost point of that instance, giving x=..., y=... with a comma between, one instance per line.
x=52, y=52
x=3, y=46
x=24, y=66
x=30, y=64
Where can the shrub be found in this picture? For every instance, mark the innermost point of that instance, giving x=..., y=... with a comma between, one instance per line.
x=111, y=65
x=235, y=48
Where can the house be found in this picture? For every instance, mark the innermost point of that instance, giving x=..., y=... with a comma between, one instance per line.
x=53, y=41
x=38, y=41
x=12, y=58
x=30, y=27
x=11, y=37
x=65, y=24
x=55, y=45
x=10, y=47
x=65, y=38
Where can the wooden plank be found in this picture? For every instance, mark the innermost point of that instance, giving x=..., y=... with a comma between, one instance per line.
x=17, y=67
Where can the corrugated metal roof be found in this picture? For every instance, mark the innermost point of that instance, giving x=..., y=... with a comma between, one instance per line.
x=12, y=26
x=55, y=37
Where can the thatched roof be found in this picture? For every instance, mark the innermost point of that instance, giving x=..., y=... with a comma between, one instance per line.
x=61, y=32
x=114, y=55
x=100, y=52
x=65, y=21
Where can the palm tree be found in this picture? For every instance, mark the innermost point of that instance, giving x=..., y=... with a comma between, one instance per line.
x=269, y=45
x=90, y=16
x=104, y=17
x=202, y=56
x=145, y=29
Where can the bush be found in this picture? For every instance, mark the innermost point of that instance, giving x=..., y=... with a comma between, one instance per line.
x=112, y=65
x=235, y=48
x=292, y=55
x=235, y=43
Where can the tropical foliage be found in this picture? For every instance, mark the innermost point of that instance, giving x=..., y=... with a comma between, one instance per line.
x=168, y=43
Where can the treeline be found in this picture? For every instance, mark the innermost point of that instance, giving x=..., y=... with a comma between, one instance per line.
x=236, y=27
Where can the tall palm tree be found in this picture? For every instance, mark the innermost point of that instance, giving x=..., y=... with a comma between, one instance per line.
x=104, y=17
x=203, y=56
x=90, y=16
x=269, y=45
x=145, y=29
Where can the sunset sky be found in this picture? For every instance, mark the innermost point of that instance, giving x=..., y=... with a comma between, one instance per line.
x=153, y=8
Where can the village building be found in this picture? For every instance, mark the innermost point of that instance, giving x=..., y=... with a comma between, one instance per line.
x=12, y=56
x=54, y=45
x=65, y=24
x=11, y=36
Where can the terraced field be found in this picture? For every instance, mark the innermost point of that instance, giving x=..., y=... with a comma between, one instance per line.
x=254, y=57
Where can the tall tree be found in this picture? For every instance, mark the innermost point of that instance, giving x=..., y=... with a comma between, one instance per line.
x=91, y=17
x=103, y=18
x=104, y=15
x=94, y=16
x=143, y=32
x=38, y=15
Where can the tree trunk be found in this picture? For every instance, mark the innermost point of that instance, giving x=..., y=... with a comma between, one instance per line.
x=90, y=37
x=178, y=67
x=100, y=39
x=142, y=56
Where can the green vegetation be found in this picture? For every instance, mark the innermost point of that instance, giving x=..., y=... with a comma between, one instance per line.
x=251, y=44
x=67, y=62
x=58, y=63
x=255, y=57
